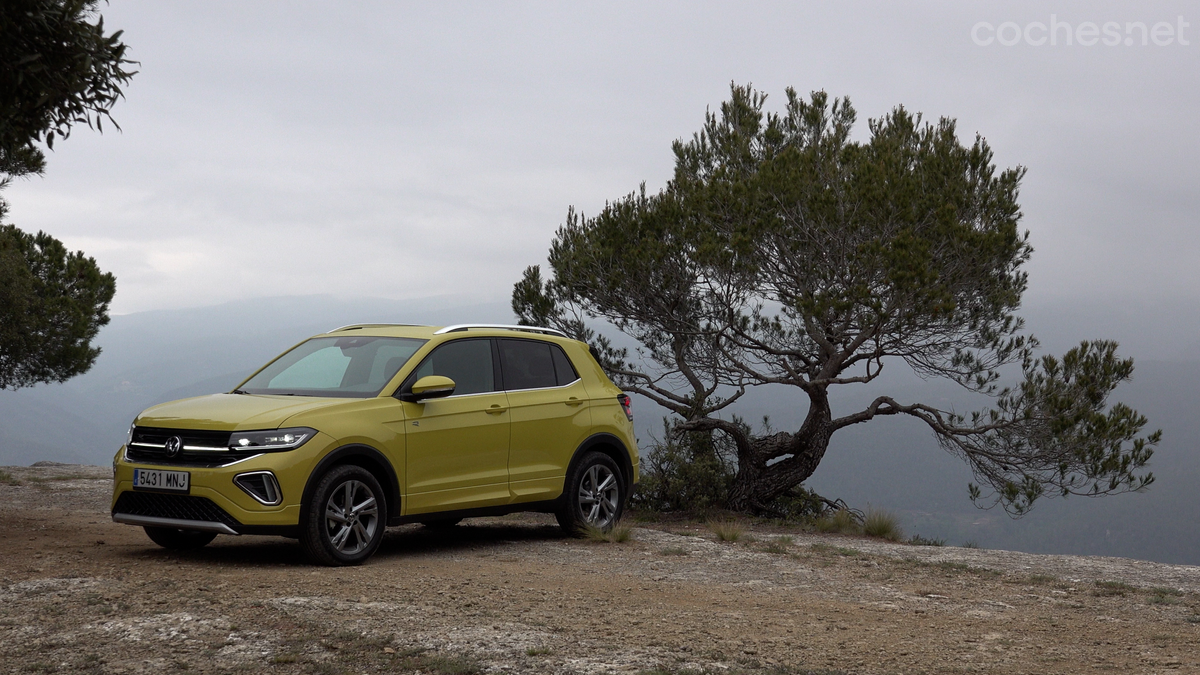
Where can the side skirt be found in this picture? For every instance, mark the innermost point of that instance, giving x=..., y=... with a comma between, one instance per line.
x=548, y=506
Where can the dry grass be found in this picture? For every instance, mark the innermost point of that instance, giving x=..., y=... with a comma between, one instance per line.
x=7, y=478
x=841, y=521
x=617, y=533
x=726, y=530
x=882, y=525
x=1111, y=588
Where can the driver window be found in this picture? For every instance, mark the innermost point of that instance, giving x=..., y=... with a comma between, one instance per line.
x=467, y=362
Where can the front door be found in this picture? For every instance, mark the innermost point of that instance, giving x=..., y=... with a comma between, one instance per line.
x=458, y=445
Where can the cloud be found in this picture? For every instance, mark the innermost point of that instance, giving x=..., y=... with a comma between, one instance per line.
x=406, y=150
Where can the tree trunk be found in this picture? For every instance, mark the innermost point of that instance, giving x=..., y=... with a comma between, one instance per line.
x=756, y=484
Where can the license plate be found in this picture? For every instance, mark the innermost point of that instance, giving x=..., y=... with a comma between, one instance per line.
x=156, y=479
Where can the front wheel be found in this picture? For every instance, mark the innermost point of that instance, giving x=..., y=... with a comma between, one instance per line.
x=179, y=540
x=344, y=522
x=594, y=495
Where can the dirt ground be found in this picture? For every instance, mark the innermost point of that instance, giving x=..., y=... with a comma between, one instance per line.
x=79, y=593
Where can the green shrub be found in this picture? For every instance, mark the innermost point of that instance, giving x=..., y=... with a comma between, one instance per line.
x=690, y=472
x=918, y=540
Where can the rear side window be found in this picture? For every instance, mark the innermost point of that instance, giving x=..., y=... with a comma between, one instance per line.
x=467, y=362
x=527, y=364
x=563, y=370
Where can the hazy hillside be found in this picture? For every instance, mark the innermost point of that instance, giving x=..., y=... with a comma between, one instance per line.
x=890, y=463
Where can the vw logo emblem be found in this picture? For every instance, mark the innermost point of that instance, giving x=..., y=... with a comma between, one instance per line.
x=174, y=445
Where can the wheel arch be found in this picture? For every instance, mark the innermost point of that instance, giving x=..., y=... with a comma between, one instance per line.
x=368, y=458
x=610, y=445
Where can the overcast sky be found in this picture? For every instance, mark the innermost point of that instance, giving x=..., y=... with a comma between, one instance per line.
x=412, y=149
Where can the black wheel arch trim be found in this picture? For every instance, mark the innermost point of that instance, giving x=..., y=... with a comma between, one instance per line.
x=625, y=460
x=391, y=485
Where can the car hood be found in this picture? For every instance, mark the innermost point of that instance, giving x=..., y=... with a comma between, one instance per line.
x=231, y=412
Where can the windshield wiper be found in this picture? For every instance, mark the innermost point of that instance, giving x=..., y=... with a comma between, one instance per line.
x=239, y=391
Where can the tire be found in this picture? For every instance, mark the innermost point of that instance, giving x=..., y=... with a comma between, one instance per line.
x=593, y=496
x=179, y=540
x=330, y=536
x=441, y=523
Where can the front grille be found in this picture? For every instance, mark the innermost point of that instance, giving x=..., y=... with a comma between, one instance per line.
x=179, y=507
x=200, y=447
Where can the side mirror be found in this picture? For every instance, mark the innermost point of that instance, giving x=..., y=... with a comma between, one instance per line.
x=430, y=386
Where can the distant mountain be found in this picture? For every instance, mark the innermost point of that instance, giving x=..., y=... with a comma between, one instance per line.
x=894, y=464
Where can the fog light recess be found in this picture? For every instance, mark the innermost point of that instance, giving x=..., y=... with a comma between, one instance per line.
x=262, y=486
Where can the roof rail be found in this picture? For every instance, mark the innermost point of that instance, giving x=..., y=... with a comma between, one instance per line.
x=370, y=325
x=529, y=329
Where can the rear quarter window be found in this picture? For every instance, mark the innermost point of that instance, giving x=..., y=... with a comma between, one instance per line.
x=564, y=371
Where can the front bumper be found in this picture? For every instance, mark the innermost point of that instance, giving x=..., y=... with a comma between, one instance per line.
x=214, y=503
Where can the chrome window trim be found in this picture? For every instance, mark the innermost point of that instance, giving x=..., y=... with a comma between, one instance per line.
x=557, y=386
x=503, y=391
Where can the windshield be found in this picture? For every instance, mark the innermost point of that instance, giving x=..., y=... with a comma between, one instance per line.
x=347, y=367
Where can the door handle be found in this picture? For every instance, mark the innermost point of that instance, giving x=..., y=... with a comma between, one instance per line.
x=496, y=409
x=573, y=401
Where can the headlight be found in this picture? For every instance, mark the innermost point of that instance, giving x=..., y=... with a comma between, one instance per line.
x=271, y=440
x=129, y=435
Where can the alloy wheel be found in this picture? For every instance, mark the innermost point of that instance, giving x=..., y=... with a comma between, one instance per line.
x=351, y=517
x=599, y=495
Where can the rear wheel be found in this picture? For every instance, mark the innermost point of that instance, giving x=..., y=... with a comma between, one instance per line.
x=177, y=539
x=594, y=495
x=344, y=522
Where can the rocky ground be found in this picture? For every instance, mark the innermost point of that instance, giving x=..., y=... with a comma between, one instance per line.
x=79, y=593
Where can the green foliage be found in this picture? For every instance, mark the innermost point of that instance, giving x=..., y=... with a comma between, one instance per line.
x=918, y=540
x=785, y=252
x=1055, y=431
x=52, y=304
x=686, y=472
x=59, y=69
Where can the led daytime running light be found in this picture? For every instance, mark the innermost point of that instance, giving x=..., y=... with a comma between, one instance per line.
x=271, y=439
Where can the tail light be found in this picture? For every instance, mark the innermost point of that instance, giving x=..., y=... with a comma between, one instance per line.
x=626, y=405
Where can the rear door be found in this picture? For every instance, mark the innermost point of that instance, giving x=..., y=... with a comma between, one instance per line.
x=457, y=446
x=550, y=417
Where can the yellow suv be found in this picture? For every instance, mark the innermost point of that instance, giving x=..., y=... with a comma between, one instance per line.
x=373, y=425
